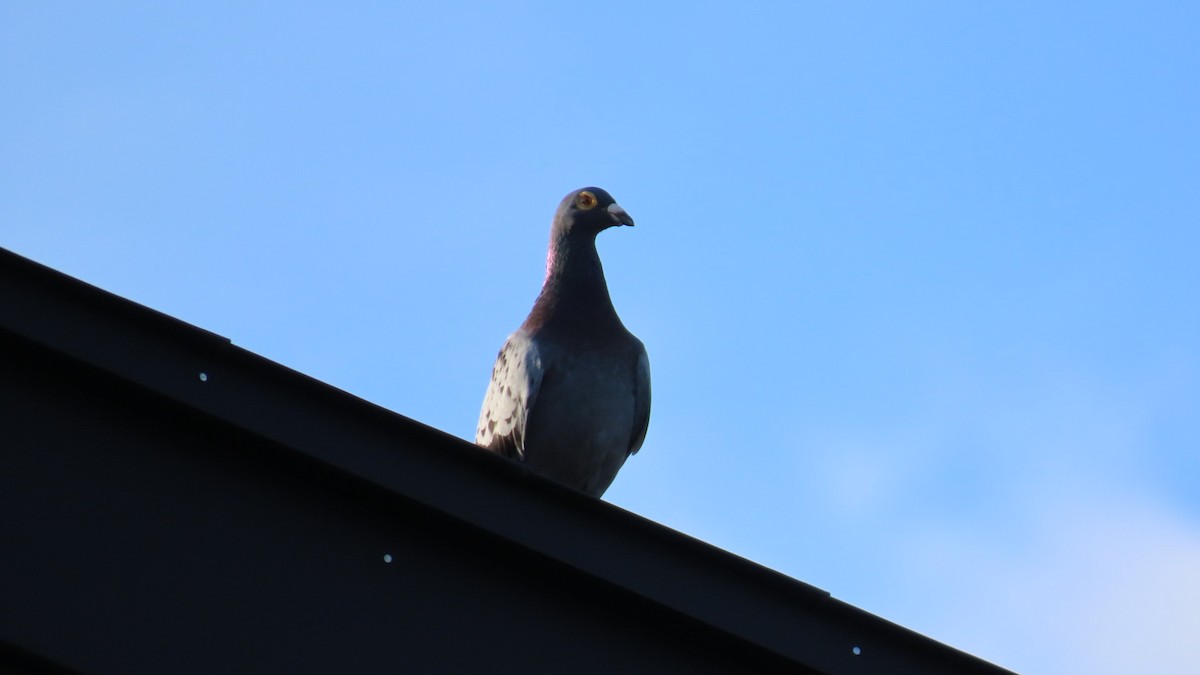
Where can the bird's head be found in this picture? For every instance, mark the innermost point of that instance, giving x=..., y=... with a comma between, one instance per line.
x=588, y=211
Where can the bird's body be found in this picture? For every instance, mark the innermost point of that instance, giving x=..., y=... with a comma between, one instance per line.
x=570, y=391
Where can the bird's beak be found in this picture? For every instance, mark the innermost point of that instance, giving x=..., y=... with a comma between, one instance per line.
x=618, y=215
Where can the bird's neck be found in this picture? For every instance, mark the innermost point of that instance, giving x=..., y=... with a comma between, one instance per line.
x=574, y=295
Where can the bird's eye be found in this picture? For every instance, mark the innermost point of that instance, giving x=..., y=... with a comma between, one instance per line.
x=585, y=200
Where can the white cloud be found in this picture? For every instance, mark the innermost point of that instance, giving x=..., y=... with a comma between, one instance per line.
x=1107, y=582
x=1020, y=526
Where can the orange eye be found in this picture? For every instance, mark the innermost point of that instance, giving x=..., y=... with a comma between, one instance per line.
x=585, y=200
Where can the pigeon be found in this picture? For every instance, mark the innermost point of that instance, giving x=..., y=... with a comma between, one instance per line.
x=570, y=391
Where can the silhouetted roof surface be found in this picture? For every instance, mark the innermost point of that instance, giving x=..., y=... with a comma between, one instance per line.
x=174, y=503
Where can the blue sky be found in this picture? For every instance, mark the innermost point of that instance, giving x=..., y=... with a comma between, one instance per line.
x=918, y=281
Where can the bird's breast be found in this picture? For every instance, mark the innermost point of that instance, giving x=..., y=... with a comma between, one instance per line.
x=582, y=422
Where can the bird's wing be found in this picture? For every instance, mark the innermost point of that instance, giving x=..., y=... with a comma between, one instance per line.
x=516, y=378
x=641, y=402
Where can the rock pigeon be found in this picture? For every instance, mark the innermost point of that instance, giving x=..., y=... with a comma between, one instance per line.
x=570, y=391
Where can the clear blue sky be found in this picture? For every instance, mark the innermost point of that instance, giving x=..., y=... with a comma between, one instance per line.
x=918, y=280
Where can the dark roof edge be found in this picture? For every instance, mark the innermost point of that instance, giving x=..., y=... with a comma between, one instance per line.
x=168, y=357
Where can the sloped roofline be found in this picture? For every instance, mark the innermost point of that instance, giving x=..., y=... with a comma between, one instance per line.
x=317, y=423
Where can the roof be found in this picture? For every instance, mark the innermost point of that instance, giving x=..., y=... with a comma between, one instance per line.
x=181, y=500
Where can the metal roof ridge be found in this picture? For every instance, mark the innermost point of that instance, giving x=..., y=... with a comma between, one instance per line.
x=209, y=374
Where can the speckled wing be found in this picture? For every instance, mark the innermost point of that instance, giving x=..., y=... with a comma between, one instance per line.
x=516, y=378
x=641, y=402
